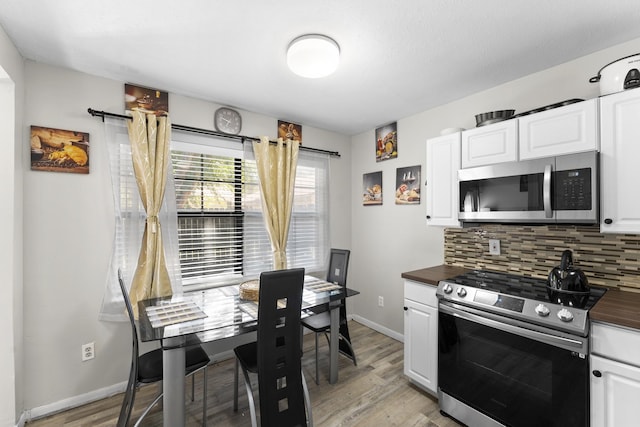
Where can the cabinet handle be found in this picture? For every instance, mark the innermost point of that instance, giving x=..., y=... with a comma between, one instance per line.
x=406, y=308
x=597, y=373
x=428, y=216
x=608, y=221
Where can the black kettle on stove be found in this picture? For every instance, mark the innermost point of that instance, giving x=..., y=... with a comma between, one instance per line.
x=568, y=285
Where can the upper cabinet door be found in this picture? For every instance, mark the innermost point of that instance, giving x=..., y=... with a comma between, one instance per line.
x=619, y=167
x=564, y=130
x=443, y=162
x=495, y=143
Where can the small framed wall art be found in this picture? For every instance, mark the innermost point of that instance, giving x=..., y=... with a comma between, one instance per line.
x=408, y=185
x=387, y=142
x=146, y=99
x=59, y=150
x=372, y=188
x=290, y=131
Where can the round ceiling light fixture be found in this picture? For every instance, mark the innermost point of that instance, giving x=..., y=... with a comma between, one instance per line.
x=313, y=56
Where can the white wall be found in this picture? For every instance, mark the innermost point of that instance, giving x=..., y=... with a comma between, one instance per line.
x=390, y=239
x=11, y=347
x=69, y=229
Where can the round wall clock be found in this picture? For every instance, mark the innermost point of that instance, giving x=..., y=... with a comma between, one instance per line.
x=227, y=120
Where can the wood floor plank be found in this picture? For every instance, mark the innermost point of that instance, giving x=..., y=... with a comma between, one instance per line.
x=374, y=393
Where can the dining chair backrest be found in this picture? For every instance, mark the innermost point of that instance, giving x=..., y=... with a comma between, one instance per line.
x=279, y=348
x=338, y=264
x=125, y=411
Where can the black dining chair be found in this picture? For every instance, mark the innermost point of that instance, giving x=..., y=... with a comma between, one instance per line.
x=276, y=355
x=147, y=369
x=320, y=323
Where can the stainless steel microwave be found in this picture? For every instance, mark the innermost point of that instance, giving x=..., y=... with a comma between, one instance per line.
x=562, y=189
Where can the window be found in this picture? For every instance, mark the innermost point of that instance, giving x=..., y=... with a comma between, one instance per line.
x=221, y=230
x=221, y=233
x=210, y=219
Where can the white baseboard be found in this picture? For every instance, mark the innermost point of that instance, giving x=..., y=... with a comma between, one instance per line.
x=376, y=327
x=22, y=420
x=73, y=402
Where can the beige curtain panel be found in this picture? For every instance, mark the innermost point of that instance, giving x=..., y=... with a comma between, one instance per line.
x=276, y=164
x=150, y=137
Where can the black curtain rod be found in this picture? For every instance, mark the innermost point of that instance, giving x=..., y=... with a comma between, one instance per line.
x=239, y=138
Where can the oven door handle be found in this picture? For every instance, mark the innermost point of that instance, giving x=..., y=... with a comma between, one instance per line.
x=556, y=341
x=546, y=192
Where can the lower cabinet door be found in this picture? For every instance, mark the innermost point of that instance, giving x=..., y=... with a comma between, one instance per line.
x=615, y=393
x=421, y=344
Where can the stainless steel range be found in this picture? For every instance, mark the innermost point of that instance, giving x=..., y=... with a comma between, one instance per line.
x=509, y=356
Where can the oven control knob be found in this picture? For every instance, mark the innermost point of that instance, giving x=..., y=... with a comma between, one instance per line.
x=565, y=315
x=447, y=288
x=462, y=292
x=542, y=310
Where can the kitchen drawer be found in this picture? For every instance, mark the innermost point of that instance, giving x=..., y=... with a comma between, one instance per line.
x=425, y=294
x=616, y=343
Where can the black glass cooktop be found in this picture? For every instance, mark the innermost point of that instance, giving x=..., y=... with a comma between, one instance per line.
x=515, y=285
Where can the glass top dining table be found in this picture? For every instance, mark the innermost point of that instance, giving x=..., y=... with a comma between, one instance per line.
x=212, y=314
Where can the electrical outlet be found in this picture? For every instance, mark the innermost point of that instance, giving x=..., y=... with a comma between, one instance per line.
x=88, y=351
x=494, y=246
x=380, y=301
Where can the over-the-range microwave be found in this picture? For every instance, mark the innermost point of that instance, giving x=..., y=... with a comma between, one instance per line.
x=562, y=189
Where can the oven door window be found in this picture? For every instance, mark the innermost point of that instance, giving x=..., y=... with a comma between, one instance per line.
x=515, y=380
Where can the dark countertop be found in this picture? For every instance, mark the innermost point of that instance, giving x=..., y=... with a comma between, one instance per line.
x=620, y=308
x=432, y=275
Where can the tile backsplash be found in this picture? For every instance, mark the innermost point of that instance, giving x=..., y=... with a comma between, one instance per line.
x=611, y=260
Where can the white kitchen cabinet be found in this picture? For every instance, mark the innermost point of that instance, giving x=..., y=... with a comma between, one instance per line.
x=619, y=155
x=494, y=143
x=442, y=192
x=421, y=334
x=615, y=376
x=569, y=129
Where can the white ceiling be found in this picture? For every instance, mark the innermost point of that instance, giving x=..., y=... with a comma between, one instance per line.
x=398, y=58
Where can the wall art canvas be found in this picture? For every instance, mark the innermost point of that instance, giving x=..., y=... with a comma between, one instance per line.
x=372, y=188
x=145, y=99
x=408, y=185
x=291, y=131
x=387, y=142
x=59, y=150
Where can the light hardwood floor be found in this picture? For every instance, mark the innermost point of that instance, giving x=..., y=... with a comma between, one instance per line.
x=374, y=393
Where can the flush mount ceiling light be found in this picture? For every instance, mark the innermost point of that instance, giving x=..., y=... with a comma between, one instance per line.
x=313, y=56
